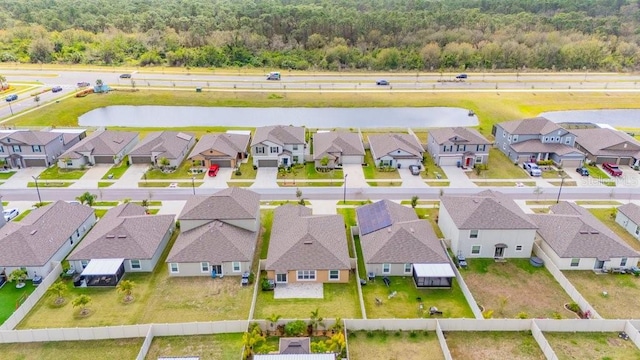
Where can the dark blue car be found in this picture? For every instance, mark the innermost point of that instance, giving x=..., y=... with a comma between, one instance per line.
x=582, y=171
x=12, y=97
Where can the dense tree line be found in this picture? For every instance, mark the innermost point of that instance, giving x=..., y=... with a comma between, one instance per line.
x=325, y=34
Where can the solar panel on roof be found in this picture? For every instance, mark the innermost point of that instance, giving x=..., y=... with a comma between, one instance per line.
x=373, y=217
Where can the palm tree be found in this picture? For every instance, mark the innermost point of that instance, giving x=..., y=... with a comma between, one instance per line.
x=126, y=287
x=273, y=319
x=18, y=275
x=414, y=201
x=59, y=288
x=3, y=82
x=82, y=301
x=315, y=320
x=87, y=198
x=250, y=341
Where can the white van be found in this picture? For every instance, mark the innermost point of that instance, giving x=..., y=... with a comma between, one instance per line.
x=274, y=76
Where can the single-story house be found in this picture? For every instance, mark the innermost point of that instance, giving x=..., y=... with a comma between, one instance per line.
x=278, y=145
x=101, y=147
x=628, y=216
x=30, y=148
x=306, y=247
x=170, y=145
x=605, y=145
x=458, y=146
x=396, y=243
x=486, y=225
x=125, y=239
x=575, y=240
x=218, y=234
x=338, y=148
x=329, y=356
x=537, y=139
x=224, y=150
x=47, y=234
x=397, y=150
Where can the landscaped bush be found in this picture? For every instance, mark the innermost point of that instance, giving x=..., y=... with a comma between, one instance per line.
x=295, y=328
x=544, y=162
x=573, y=307
x=238, y=172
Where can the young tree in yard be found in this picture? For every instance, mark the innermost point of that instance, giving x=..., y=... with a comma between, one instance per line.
x=59, y=288
x=299, y=196
x=337, y=343
x=315, y=320
x=82, y=301
x=164, y=162
x=145, y=204
x=18, y=275
x=126, y=287
x=414, y=201
x=273, y=320
x=87, y=198
x=324, y=161
x=251, y=341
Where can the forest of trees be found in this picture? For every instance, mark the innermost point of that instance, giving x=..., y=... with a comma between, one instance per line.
x=411, y=35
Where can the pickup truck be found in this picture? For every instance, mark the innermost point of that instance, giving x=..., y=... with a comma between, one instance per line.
x=532, y=169
x=612, y=169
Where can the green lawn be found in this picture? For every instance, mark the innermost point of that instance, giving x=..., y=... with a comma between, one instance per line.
x=308, y=171
x=591, y=345
x=163, y=184
x=104, y=184
x=149, y=203
x=8, y=297
x=598, y=202
x=597, y=173
x=430, y=214
x=503, y=183
x=431, y=170
x=55, y=173
x=475, y=345
x=607, y=217
x=553, y=174
x=362, y=269
x=182, y=172
x=48, y=183
x=386, y=345
x=239, y=183
x=212, y=347
x=340, y=300
x=267, y=222
x=349, y=220
x=6, y=174
x=438, y=183
x=73, y=350
x=371, y=170
x=622, y=290
x=116, y=171
x=405, y=303
x=22, y=215
x=247, y=171
x=499, y=167
x=100, y=212
x=384, y=183
x=433, y=203
x=293, y=183
x=106, y=203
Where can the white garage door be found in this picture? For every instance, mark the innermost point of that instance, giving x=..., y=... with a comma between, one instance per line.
x=267, y=163
x=353, y=159
x=448, y=161
x=406, y=162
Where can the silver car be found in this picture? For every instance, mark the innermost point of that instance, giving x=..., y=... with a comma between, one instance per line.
x=10, y=214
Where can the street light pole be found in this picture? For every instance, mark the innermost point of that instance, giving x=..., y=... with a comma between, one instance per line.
x=560, y=190
x=344, y=196
x=10, y=108
x=193, y=184
x=35, y=178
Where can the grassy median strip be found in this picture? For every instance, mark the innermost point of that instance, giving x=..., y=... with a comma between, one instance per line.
x=6, y=174
x=161, y=184
x=104, y=184
x=182, y=172
x=56, y=173
x=116, y=171
x=48, y=183
x=239, y=183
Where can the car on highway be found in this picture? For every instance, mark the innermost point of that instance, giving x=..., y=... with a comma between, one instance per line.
x=583, y=171
x=532, y=169
x=415, y=169
x=83, y=84
x=382, y=82
x=11, y=97
x=461, y=76
x=125, y=76
x=273, y=76
x=56, y=89
x=10, y=214
x=612, y=169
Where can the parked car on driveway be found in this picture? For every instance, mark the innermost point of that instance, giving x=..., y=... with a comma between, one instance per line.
x=532, y=169
x=382, y=82
x=11, y=97
x=10, y=214
x=612, y=169
x=213, y=170
x=583, y=171
x=415, y=169
x=56, y=89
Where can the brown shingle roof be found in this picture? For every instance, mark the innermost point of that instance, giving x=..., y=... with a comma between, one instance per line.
x=124, y=232
x=632, y=211
x=29, y=137
x=383, y=144
x=606, y=142
x=572, y=232
x=215, y=242
x=486, y=210
x=346, y=143
x=533, y=126
x=300, y=240
x=230, y=203
x=279, y=134
x=169, y=144
x=228, y=144
x=34, y=240
x=104, y=142
x=535, y=146
x=458, y=135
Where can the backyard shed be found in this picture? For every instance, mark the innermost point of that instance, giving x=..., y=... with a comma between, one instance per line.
x=103, y=272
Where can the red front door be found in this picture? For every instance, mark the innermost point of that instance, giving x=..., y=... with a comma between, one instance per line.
x=468, y=162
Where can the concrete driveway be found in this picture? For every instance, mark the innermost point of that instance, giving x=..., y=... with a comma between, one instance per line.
x=355, y=175
x=629, y=178
x=584, y=181
x=457, y=177
x=131, y=177
x=266, y=178
x=91, y=177
x=22, y=177
x=411, y=181
x=219, y=181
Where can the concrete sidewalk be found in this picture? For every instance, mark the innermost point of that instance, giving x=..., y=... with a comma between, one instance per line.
x=324, y=207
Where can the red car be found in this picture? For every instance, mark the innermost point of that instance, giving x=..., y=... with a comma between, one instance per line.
x=213, y=170
x=612, y=169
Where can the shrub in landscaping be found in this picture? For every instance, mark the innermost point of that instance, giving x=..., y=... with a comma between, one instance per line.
x=544, y=162
x=295, y=328
x=255, y=167
x=370, y=334
x=522, y=315
x=573, y=307
x=413, y=334
x=238, y=172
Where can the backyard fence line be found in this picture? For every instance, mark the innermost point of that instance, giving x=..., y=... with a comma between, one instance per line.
x=542, y=341
x=443, y=343
x=258, y=283
x=32, y=300
x=573, y=293
x=146, y=345
x=355, y=253
x=634, y=334
x=463, y=286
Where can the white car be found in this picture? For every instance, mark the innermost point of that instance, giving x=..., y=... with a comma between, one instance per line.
x=532, y=169
x=10, y=214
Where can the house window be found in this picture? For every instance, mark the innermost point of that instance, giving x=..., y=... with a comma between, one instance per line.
x=69, y=162
x=334, y=274
x=515, y=138
x=16, y=148
x=1, y=149
x=204, y=267
x=504, y=133
x=281, y=278
x=306, y=275
x=475, y=249
x=575, y=262
x=35, y=148
x=637, y=230
x=461, y=147
x=173, y=268
x=518, y=247
x=623, y=262
x=295, y=147
x=546, y=139
x=135, y=264
x=386, y=268
x=295, y=159
x=236, y=266
x=407, y=268
x=84, y=263
x=509, y=138
x=478, y=159
x=260, y=150
x=504, y=146
x=274, y=149
x=78, y=232
x=473, y=234
x=567, y=140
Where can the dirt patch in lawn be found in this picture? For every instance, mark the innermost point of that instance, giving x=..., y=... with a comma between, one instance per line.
x=515, y=288
x=621, y=300
x=493, y=345
x=591, y=346
x=385, y=345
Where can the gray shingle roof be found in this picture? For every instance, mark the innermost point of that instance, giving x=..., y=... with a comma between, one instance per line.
x=605, y=142
x=346, y=143
x=29, y=137
x=215, y=242
x=533, y=126
x=125, y=231
x=169, y=144
x=228, y=144
x=632, y=211
x=535, y=146
x=302, y=241
x=35, y=239
x=458, y=135
x=572, y=232
x=230, y=203
x=279, y=134
x=486, y=210
x=103, y=142
x=383, y=144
